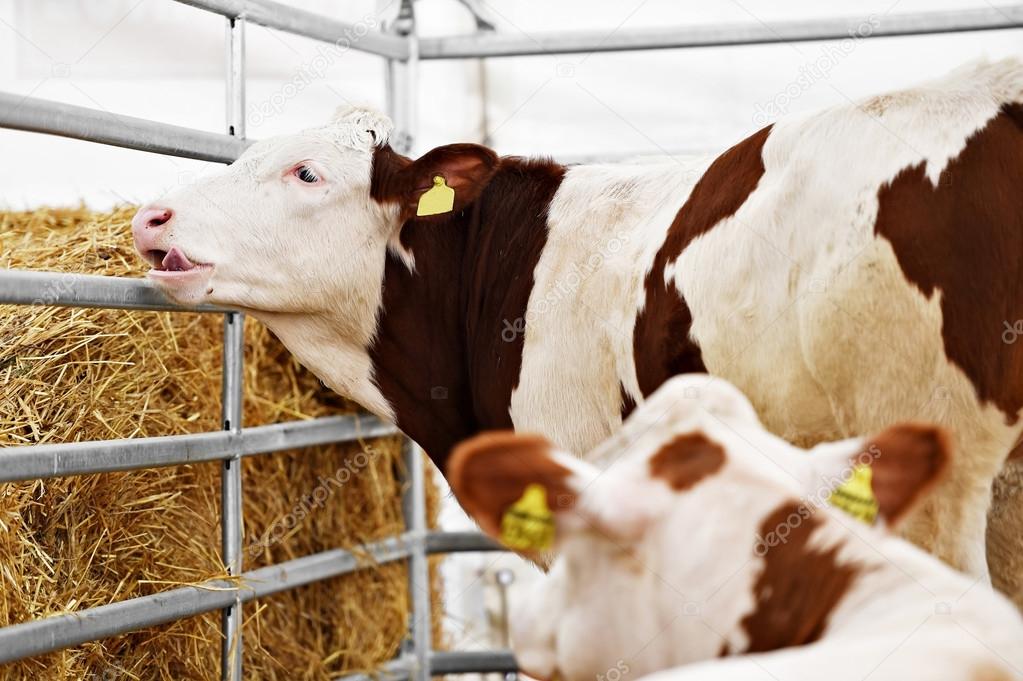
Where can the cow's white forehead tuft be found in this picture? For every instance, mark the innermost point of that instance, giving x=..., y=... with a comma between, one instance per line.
x=360, y=127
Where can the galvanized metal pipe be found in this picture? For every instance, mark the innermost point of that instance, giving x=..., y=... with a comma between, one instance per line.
x=231, y=518
x=233, y=389
x=747, y=33
x=460, y=542
x=63, y=631
x=36, y=462
x=61, y=289
x=444, y=662
x=401, y=82
x=473, y=662
x=93, y=125
x=414, y=509
x=300, y=22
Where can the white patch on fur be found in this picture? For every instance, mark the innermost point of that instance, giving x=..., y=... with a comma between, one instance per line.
x=606, y=223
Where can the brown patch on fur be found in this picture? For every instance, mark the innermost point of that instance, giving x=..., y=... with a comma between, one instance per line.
x=628, y=404
x=1017, y=450
x=490, y=472
x=964, y=239
x=799, y=585
x=442, y=356
x=661, y=343
x=686, y=460
x=906, y=462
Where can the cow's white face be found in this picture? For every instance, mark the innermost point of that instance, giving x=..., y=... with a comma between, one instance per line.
x=688, y=485
x=288, y=227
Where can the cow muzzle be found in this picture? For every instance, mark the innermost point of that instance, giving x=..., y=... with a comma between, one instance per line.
x=170, y=265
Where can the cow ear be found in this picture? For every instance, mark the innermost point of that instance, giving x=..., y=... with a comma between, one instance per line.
x=463, y=168
x=885, y=475
x=516, y=486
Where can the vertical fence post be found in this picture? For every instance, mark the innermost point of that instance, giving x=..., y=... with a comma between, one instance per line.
x=402, y=82
x=414, y=510
x=232, y=388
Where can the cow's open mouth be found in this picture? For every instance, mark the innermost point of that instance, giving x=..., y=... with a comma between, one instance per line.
x=172, y=264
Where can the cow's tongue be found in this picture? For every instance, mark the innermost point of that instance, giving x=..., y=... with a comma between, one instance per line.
x=175, y=261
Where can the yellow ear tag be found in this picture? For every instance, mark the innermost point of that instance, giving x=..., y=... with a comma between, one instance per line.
x=856, y=497
x=438, y=199
x=528, y=524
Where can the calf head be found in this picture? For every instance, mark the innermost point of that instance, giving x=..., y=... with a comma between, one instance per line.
x=300, y=223
x=701, y=535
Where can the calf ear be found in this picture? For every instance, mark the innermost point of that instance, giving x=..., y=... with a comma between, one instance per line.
x=886, y=475
x=497, y=474
x=464, y=168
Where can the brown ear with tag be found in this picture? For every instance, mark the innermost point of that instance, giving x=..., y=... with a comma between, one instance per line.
x=513, y=486
x=908, y=461
x=883, y=478
x=441, y=182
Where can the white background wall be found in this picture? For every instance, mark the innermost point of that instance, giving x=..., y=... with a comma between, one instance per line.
x=161, y=60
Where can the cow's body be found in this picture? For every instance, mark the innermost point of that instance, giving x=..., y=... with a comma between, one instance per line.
x=846, y=270
x=858, y=267
x=704, y=553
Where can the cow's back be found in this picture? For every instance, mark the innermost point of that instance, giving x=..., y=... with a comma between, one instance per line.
x=870, y=274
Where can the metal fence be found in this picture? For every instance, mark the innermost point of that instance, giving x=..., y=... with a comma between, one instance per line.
x=402, y=50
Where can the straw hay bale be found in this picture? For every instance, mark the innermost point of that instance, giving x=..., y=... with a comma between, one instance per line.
x=73, y=543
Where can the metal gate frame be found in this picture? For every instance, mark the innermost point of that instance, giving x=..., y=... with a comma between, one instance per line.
x=402, y=50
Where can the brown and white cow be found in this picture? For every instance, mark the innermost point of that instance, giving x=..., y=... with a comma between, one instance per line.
x=707, y=537
x=847, y=270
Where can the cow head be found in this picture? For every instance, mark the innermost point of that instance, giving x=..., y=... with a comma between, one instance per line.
x=300, y=223
x=686, y=494
x=297, y=231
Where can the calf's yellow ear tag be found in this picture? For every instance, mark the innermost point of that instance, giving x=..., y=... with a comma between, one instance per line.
x=438, y=199
x=528, y=524
x=856, y=497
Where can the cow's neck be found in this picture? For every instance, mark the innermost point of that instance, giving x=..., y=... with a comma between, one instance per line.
x=332, y=342
x=448, y=347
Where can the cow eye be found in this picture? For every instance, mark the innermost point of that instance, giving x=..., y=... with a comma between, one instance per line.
x=306, y=174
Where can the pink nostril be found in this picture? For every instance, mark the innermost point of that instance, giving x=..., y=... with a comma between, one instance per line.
x=150, y=218
x=157, y=217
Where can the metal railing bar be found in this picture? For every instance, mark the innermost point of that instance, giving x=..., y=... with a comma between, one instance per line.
x=63, y=631
x=393, y=672
x=414, y=512
x=444, y=662
x=23, y=287
x=490, y=44
x=68, y=289
x=460, y=542
x=300, y=22
x=232, y=385
x=473, y=662
x=324, y=565
x=34, y=462
x=79, y=122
